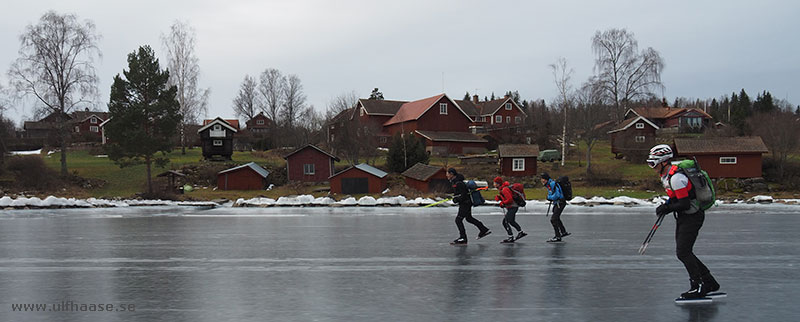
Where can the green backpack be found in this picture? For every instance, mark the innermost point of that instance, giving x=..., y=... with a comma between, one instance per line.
x=705, y=194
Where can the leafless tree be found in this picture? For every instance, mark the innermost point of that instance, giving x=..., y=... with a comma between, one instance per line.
x=56, y=65
x=625, y=73
x=246, y=104
x=592, y=118
x=184, y=73
x=294, y=101
x=780, y=131
x=562, y=75
x=271, y=87
x=340, y=103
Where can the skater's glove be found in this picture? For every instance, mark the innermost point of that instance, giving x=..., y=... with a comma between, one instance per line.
x=497, y=198
x=661, y=210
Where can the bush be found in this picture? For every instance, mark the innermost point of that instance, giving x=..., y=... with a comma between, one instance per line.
x=31, y=173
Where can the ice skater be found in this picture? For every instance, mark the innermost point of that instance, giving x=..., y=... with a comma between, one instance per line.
x=689, y=220
x=506, y=198
x=556, y=197
x=462, y=198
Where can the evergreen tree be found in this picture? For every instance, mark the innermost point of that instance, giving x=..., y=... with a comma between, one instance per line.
x=764, y=103
x=405, y=152
x=716, y=113
x=376, y=94
x=493, y=96
x=145, y=114
x=797, y=111
x=466, y=96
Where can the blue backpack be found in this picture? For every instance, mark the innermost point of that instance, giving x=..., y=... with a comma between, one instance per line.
x=475, y=194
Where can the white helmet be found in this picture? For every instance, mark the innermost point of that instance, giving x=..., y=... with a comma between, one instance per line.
x=659, y=153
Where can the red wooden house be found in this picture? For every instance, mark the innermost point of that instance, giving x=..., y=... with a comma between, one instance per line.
x=633, y=137
x=427, y=178
x=86, y=124
x=259, y=124
x=494, y=114
x=680, y=119
x=731, y=157
x=248, y=176
x=518, y=160
x=309, y=164
x=371, y=114
x=440, y=122
x=359, y=179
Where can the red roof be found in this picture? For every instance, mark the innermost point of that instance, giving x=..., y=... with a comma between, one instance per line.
x=233, y=123
x=413, y=110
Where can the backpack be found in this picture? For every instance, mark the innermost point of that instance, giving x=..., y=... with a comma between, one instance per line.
x=518, y=194
x=566, y=187
x=704, y=192
x=475, y=194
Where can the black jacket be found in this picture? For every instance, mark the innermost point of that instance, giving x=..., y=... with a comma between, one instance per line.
x=460, y=191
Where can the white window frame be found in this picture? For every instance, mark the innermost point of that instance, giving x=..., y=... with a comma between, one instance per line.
x=216, y=142
x=640, y=139
x=517, y=119
x=217, y=127
x=309, y=169
x=639, y=125
x=508, y=106
x=94, y=128
x=518, y=164
x=443, y=108
x=93, y=120
x=77, y=129
x=728, y=160
x=259, y=122
x=498, y=119
x=508, y=119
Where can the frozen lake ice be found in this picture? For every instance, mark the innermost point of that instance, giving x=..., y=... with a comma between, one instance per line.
x=390, y=264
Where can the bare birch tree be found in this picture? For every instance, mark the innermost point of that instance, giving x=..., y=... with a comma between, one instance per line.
x=562, y=75
x=56, y=65
x=294, y=101
x=246, y=104
x=624, y=73
x=271, y=86
x=184, y=72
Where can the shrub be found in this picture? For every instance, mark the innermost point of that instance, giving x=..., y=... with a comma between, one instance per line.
x=31, y=173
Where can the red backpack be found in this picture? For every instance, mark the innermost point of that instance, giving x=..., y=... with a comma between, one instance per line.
x=518, y=194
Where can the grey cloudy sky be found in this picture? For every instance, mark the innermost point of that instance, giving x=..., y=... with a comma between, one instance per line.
x=414, y=49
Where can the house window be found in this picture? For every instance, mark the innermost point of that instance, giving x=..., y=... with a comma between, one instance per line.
x=640, y=139
x=259, y=122
x=727, y=160
x=308, y=169
x=508, y=119
x=517, y=119
x=498, y=119
x=361, y=112
x=77, y=129
x=217, y=127
x=93, y=120
x=508, y=106
x=94, y=128
x=383, y=139
x=443, y=108
x=217, y=142
x=639, y=125
x=216, y=131
x=517, y=164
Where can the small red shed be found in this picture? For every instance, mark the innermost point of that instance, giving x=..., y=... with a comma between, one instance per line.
x=360, y=178
x=733, y=157
x=518, y=160
x=427, y=178
x=309, y=164
x=248, y=176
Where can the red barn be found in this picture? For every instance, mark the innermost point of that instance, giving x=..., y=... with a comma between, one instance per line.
x=359, y=179
x=734, y=157
x=309, y=164
x=248, y=176
x=427, y=178
x=518, y=160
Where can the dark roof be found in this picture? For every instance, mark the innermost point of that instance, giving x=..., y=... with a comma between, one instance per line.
x=664, y=112
x=421, y=171
x=381, y=107
x=742, y=144
x=29, y=125
x=518, y=150
x=468, y=107
x=366, y=168
x=252, y=165
x=628, y=122
x=451, y=136
x=314, y=147
x=80, y=116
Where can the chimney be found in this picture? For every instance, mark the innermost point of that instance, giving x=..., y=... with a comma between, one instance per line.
x=475, y=99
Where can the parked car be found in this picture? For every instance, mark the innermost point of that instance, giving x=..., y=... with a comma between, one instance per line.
x=549, y=155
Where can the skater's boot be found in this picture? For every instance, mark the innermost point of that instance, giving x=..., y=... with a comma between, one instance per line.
x=709, y=283
x=508, y=240
x=521, y=234
x=484, y=233
x=554, y=239
x=694, y=290
x=459, y=241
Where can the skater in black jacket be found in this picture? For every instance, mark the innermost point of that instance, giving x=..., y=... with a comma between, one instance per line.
x=462, y=198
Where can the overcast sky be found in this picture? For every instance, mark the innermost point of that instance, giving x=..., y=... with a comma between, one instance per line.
x=414, y=49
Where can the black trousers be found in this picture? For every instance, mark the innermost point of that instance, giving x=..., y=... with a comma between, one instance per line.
x=509, y=220
x=686, y=231
x=555, y=220
x=465, y=212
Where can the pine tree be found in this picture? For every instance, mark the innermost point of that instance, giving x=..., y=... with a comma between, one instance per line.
x=376, y=94
x=797, y=111
x=466, y=96
x=764, y=103
x=144, y=114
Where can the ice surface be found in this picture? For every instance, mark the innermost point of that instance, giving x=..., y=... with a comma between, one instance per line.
x=390, y=264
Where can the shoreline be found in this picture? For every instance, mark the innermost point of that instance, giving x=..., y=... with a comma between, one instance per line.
x=52, y=202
